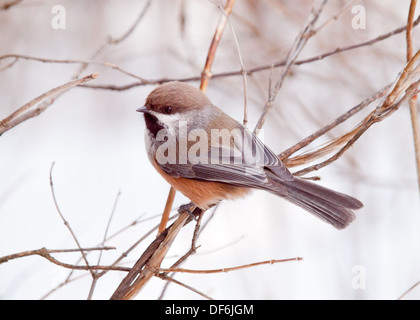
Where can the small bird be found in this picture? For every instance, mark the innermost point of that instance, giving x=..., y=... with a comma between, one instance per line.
x=208, y=156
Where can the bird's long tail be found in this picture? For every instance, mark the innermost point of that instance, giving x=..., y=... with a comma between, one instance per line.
x=331, y=206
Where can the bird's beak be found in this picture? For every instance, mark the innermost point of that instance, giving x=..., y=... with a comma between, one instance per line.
x=142, y=109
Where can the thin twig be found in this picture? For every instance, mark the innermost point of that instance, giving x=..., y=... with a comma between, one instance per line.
x=252, y=70
x=134, y=25
x=304, y=35
x=62, y=284
x=10, y=4
x=17, y=57
x=167, y=210
x=113, y=266
x=197, y=231
x=170, y=279
x=109, y=40
x=109, y=223
x=65, y=221
x=206, y=74
x=193, y=247
x=241, y=62
x=27, y=111
x=409, y=290
x=413, y=101
x=250, y=265
x=44, y=251
x=336, y=16
x=11, y=64
x=141, y=272
x=304, y=158
x=133, y=246
x=97, y=276
x=379, y=114
x=413, y=110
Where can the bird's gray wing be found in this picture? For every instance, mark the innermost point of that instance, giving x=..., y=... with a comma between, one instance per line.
x=243, y=163
x=223, y=170
x=269, y=159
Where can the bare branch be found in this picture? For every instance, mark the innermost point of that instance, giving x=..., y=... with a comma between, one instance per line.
x=130, y=30
x=252, y=70
x=390, y=105
x=413, y=101
x=114, y=41
x=17, y=57
x=206, y=74
x=10, y=4
x=414, y=286
x=97, y=276
x=170, y=279
x=304, y=35
x=66, y=223
x=284, y=156
x=44, y=251
x=142, y=270
x=250, y=265
x=243, y=72
x=26, y=111
x=114, y=265
x=167, y=210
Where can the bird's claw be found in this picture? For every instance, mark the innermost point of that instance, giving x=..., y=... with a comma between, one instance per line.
x=189, y=208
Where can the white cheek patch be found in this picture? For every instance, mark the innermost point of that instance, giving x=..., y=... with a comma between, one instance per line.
x=171, y=121
x=166, y=118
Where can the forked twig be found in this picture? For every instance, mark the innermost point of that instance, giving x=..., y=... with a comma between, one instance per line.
x=285, y=155
x=142, y=270
x=403, y=87
x=304, y=35
x=165, y=277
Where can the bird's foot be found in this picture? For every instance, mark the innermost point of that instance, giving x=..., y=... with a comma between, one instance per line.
x=191, y=209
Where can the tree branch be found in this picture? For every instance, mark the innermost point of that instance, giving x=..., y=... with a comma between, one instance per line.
x=222, y=270
x=413, y=101
x=27, y=112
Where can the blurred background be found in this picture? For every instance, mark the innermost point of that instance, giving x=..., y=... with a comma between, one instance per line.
x=96, y=140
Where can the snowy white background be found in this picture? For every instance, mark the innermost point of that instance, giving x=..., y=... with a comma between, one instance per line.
x=95, y=138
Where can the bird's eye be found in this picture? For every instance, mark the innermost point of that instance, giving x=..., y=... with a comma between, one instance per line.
x=167, y=110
